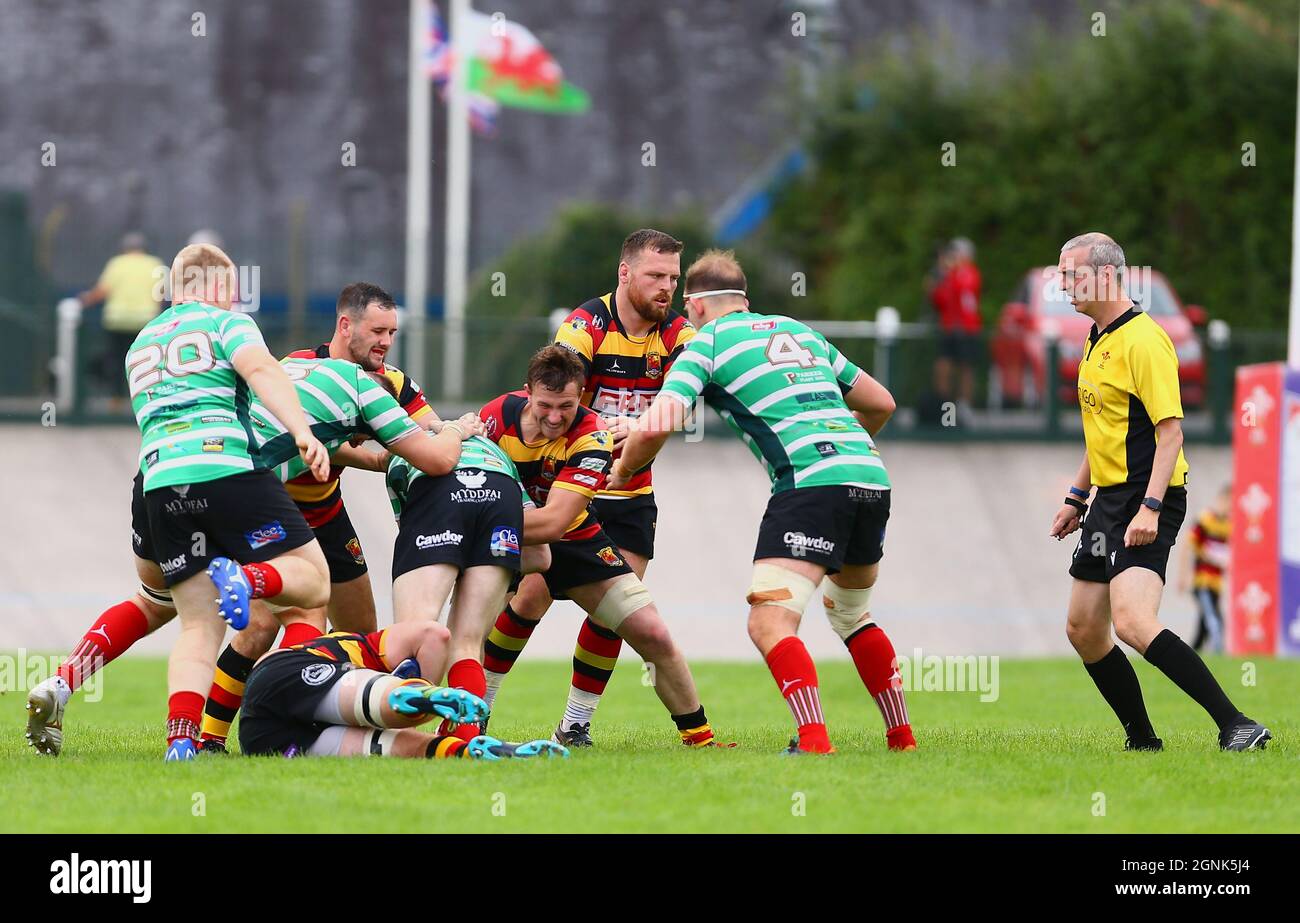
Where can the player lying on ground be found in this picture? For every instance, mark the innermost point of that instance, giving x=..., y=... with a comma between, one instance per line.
x=210, y=507
x=460, y=530
x=1133, y=454
x=627, y=341
x=562, y=452
x=329, y=389
x=326, y=387
x=809, y=415
x=336, y=696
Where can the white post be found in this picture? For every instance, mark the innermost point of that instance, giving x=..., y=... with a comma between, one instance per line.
x=1293, y=331
x=65, y=359
x=418, y=160
x=456, y=260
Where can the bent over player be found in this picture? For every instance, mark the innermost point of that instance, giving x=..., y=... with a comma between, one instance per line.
x=808, y=414
x=562, y=453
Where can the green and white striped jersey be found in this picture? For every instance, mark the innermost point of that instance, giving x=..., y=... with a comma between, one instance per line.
x=780, y=385
x=189, y=402
x=340, y=401
x=477, y=455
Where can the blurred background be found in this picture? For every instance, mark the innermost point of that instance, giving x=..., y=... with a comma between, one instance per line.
x=895, y=172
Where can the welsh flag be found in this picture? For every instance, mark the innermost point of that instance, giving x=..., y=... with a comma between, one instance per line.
x=508, y=66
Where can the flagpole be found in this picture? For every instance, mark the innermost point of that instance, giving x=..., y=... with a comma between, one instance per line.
x=418, y=160
x=458, y=186
x=1293, y=332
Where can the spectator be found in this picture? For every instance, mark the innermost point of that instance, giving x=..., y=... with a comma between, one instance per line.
x=956, y=300
x=1205, y=563
x=132, y=284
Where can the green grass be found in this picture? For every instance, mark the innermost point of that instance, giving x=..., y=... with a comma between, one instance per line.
x=1031, y=761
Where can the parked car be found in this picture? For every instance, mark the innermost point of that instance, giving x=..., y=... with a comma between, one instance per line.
x=1039, y=311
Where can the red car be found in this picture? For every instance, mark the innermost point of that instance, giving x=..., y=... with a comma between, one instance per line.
x=1039, y=311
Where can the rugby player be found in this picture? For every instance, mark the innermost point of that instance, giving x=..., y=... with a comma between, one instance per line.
x=335, y=695
x=809, y=415
x=1133, y=436
x=364, y=326
x=211, y=505
x=463, y=530
x=341, y=402
x=562, y=452
x=627, y=340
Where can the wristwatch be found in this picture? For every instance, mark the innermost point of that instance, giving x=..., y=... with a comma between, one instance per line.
x=1152, y=503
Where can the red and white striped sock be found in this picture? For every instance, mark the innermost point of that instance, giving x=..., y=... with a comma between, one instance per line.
x=796, y=677
x=873, y=655
x=116, y=629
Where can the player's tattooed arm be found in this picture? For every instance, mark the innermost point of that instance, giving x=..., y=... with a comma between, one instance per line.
x=870, y=402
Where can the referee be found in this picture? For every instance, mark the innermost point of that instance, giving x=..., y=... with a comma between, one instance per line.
x=1128, y=395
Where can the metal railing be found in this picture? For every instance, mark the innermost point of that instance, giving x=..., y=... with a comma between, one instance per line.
x=901, y=355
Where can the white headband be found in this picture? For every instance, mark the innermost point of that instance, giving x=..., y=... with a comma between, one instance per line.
x=716, y=291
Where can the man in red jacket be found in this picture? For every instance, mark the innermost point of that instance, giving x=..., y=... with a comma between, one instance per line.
x=956, y=300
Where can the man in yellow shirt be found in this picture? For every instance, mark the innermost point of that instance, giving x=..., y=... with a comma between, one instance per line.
x=1132, y=428
x=131, y=284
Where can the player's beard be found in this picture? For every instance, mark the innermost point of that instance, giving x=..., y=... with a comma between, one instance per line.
x=649, y=309
x=360, y=354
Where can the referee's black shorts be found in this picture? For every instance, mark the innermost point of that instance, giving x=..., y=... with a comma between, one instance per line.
x=1101, y=553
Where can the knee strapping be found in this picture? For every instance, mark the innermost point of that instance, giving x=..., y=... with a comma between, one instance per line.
x=627, y=595
x=773, y=585
x=848, y=610
x=161, y=598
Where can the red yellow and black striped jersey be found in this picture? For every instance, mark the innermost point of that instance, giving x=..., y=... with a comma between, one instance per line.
x=624, y=373
x=578, y=461
x=321, y=502
x=348, y=647
x=1210, y=537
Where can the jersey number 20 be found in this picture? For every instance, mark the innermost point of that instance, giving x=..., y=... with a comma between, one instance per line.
x=186, y=354
x=784, y=349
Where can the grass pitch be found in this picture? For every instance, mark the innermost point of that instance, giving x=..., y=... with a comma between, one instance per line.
x=1044, y=757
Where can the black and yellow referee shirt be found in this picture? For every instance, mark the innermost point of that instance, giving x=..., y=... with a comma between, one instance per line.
x=1128, y=382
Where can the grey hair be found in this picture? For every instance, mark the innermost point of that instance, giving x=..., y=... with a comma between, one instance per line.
x=1102, y=250
x=961, y=246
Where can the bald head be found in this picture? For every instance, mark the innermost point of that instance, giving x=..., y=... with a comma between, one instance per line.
x=203, y=272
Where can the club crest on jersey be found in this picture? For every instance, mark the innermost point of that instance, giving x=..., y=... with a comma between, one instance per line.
x=608, y=555
x=265, y=535
x=548, y=468
x=354, y=548
x=317, y=673
x=654, y=365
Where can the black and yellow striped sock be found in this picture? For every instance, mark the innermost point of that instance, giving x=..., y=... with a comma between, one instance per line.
x=694, y=729
x=227, y=693
x=444, y=747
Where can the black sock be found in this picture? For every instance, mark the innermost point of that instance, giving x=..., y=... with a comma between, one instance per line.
x=1118, y=685
x=1170, y=654
x=691, y=721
